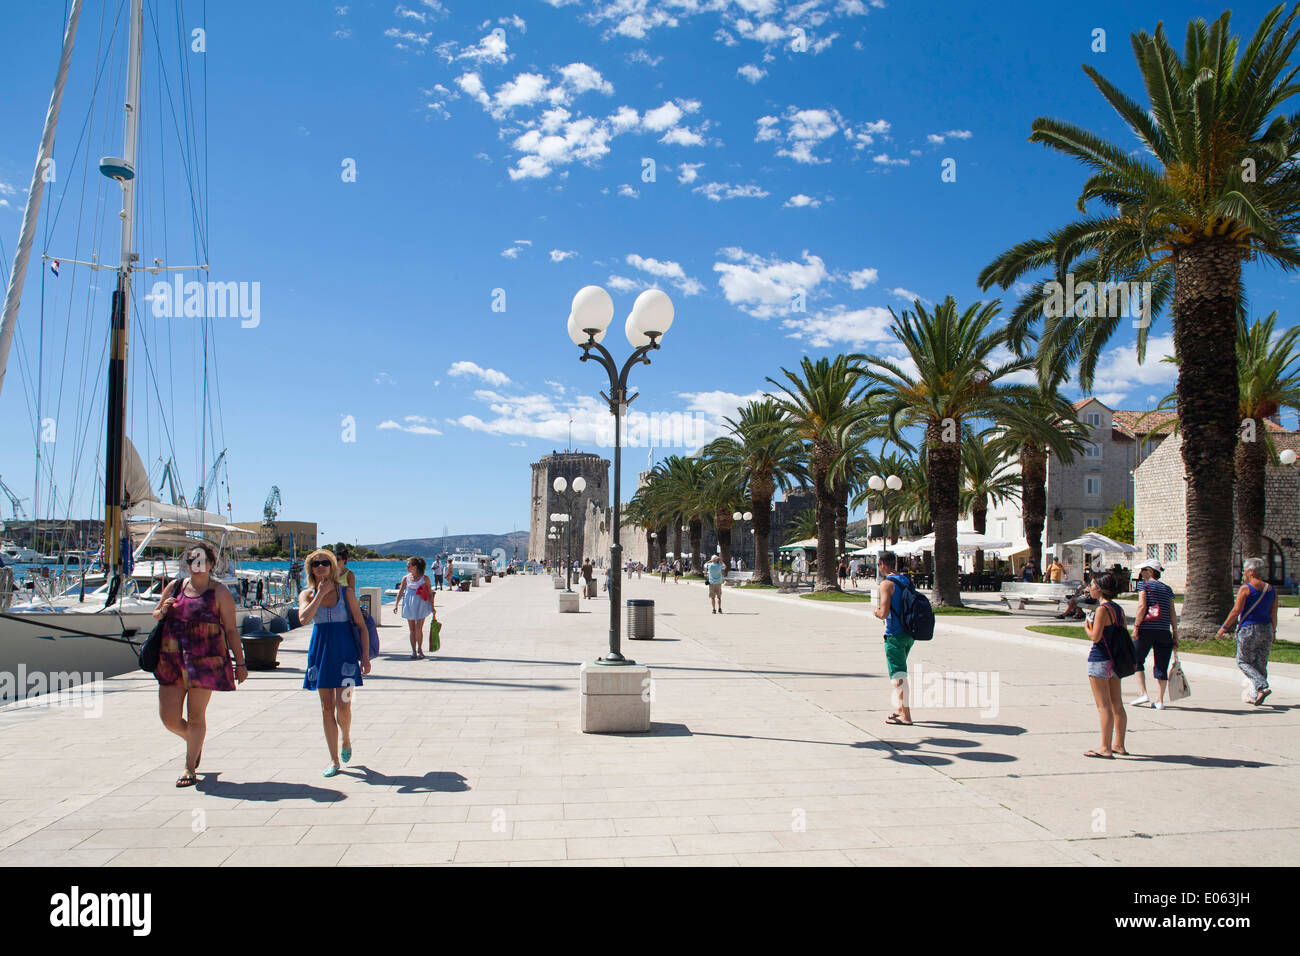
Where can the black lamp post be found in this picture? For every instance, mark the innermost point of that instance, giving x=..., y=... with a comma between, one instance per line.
x=570, y=498
x=741, y=518
x=589, y=317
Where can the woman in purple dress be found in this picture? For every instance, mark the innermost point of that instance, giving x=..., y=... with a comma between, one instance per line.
x=199, y=637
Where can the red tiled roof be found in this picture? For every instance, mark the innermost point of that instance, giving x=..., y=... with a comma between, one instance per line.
x=1126, y=422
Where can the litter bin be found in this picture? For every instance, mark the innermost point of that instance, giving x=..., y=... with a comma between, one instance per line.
x=640, y=619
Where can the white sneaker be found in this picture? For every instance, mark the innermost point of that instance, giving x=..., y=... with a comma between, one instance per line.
x=1158, y=705
x=1144, y=699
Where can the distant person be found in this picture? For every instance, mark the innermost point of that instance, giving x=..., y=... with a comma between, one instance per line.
x=1257, y=628
x=1106, y=628
x=415, y=603
x=843, y=571
x=677, y=569
x=346, y=577
x=436, y=568
x=1157, y=630
x=663, y=572
x=855, y=571
x=898, y=643
x=199, y=640
x=1027, y=573
x=714, y=571
x=1056, y=571
x=339, y=653
x=589, y=578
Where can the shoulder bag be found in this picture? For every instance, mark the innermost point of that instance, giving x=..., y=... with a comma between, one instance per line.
x=152, y=647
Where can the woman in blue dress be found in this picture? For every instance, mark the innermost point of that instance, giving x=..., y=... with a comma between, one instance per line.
x=336, y=658
x=415, y=602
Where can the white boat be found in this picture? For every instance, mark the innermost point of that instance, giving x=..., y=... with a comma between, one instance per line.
x=16, y=554
x=90, y=621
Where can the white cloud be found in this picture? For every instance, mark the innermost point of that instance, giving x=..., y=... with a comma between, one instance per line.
x=799, y=201
x=862, y=278
x=624, y=284
x=559, y=255
x=1119, y=371
x=751, y=73
x=688, y=172
x=383, y=378
x=767, y=287
x=412, y=424
x=672, y=271
x=489, y=375
x=884, y=159
x=408, y=39
x=720, y=191
x=840, y=326
x=627, y=191
x=937, y=138
x=907, y=295
x=512, y=252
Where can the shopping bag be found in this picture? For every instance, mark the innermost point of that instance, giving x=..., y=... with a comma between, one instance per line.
x=435, y=629
x=1178, y=686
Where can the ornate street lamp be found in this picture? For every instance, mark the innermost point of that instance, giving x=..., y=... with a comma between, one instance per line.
x=742, y=518
x=570, y=500
x=589, y=317
x=880, y=485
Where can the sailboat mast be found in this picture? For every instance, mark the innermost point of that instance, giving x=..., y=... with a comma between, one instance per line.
x=44, y=157
x=123, y=170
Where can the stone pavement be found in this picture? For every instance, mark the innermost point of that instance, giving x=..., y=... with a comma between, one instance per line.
x=769, y=748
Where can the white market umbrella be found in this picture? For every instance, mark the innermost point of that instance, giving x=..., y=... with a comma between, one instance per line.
x=967, y=541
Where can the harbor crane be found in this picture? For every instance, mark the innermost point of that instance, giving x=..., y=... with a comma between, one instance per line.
x=210, y=485
x=15, y=503
x=271, y=510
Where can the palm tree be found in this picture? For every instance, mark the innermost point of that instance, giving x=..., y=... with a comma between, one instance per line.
x=821, y=406
x=803, y=526
x=1268, y=376
x=1213, y=185
x=764, y=455
x=988, y=480
x=724, y=493
x=957, y=380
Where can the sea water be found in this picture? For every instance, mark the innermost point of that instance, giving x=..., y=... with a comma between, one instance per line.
x=370, y=574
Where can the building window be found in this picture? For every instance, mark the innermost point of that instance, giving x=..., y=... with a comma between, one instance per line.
x=1171, y=552
x=1091, y=450
x=1093, y=419
x=1092, y=521
x=1153, y=551
x=1092, y=486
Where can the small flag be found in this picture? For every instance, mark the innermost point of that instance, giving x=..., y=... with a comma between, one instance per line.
x=54, y=266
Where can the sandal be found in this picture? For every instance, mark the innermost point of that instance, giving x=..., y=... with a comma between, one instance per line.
x=1122, y=753
x=330, y=771
x=186, y=779
x=1096, y=753
x=346, y=754
x=1262, y=694
x=897, y=719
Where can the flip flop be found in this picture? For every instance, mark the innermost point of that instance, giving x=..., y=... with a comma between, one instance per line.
x=186, y=780
x=896, y=719
x=346, y=754
x=1122, y=753
x=1094, y=753
x=330, y=771
x=1262, y=694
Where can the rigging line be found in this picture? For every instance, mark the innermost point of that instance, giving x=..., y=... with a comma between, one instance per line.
x=171, y=444
x=177, y=125
x=187, y=88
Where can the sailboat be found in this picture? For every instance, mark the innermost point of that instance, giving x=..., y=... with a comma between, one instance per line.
x=91, y=620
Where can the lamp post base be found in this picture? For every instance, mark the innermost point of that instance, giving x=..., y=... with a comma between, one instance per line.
x=609, y=660
x=614, y=701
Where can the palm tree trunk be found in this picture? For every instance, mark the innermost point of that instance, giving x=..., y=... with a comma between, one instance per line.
x=723, y=522
x=1207, y=278
x=760, y=493
x=697, y=535
x=945, y=480
x=822, y=455
x=1251, y=464
x=1033, y=497
x=841, y=491
x=980, y=519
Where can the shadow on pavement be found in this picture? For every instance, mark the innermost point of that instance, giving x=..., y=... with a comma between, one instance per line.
x=1190, y=761
x=661, y=730
x=269, y=791
x=1007, y=729
x=435, y=781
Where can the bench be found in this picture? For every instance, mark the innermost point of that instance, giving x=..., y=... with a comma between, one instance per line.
x=1025, y=591
x=739, y=577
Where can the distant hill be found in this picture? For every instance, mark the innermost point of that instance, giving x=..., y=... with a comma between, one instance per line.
x=428, y=547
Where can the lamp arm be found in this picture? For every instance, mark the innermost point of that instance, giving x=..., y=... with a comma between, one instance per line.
x=603, y=357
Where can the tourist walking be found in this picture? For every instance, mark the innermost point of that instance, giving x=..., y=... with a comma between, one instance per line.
x=1056, y=571
x=339, y=652
x=898, y=643
x=1106, y=629
x=436, y=570
x=663, y=572
x=714, y=571
x=1157, y=624
x=588, y=578
x=415, y=603
x=346, y=577
x=677, y=569
x=855, y=569
x=1257, y=626
x=199, y=639
x=843, y=571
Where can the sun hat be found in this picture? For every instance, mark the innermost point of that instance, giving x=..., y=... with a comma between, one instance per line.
x=1152, y=563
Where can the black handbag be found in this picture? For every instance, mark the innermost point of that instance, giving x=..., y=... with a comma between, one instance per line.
x=1123, y=656
x=152, y=647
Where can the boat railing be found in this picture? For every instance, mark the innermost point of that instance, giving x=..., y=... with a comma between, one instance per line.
x=6, y=588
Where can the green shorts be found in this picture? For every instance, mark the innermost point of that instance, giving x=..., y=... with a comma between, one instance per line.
x=897, y=647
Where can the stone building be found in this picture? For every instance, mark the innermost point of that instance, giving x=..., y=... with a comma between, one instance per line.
x=589, y=508
x=1160, y=513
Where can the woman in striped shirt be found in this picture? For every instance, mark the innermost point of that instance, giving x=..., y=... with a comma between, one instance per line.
x=1157, y=630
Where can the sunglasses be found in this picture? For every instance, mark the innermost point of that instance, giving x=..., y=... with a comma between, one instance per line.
x=193, y=559
x=320, y=563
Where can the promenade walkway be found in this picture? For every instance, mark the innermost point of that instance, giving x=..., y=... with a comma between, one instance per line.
x=769, y=747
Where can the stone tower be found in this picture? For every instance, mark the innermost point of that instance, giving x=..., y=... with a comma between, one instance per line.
x=543, y=500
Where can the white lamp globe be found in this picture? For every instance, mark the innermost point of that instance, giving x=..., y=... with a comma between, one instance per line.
x=579, y=484
x=894, y=482
x=876, y=483
x=592, y=308
x=632, y=329
x=735, y=516
x=652, y=312
x=559, y=484
x=748, y=515
x=578, y=336
x=1287, y=456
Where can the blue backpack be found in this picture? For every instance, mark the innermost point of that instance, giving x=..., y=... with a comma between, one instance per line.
x=915, y=612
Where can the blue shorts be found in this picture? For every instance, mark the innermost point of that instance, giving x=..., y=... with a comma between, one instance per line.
x=1102, y=669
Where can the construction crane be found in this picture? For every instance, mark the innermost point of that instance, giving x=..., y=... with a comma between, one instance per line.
x=271, y=510
x=210, y=485
x=169, y=479
x=15, y=503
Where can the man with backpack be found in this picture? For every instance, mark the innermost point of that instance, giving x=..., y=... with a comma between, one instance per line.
x=908, y=618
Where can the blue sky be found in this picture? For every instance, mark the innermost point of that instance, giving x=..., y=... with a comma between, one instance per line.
x=734, y=154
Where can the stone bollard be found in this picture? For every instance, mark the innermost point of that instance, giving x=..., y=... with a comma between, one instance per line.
x=568, y=602
x=614, y=699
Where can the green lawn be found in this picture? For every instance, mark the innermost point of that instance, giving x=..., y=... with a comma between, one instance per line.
x=971, y=611
x=757, y=587
x=1283, y=652
x=1287, y=600
x=835, y=596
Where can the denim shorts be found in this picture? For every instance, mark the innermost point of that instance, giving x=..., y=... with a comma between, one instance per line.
x=1100, y=669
